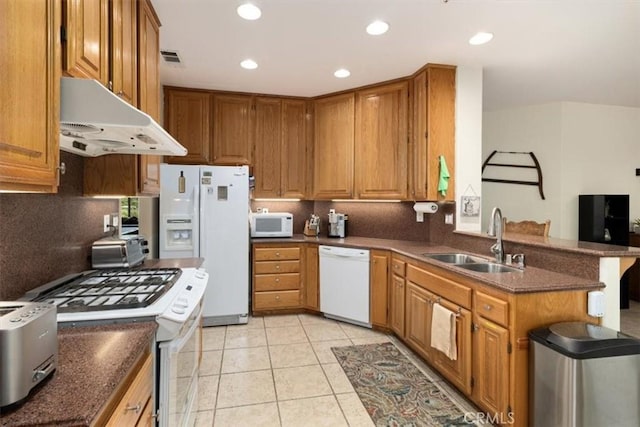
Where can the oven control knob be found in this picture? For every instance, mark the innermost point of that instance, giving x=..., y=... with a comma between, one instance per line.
x=200, y=274
x=178, y=310
x=182, y=302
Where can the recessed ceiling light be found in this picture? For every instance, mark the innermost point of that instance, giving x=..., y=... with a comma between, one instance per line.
x=249, y=11
x=342, y=73
x=377, y=27
x=480, y=38
x=249, y=64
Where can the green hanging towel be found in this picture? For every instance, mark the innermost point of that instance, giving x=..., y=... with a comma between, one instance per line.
x=443, y=182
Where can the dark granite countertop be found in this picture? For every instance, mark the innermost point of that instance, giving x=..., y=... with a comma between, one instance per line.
x=531, y=279
x=92, y=361
x=566, y=245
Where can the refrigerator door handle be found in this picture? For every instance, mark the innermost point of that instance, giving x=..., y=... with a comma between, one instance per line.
x=197, y=213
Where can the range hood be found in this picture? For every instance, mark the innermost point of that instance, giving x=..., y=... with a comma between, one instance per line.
x=94, y=121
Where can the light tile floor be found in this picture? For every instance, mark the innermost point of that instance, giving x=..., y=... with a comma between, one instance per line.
x=280, y=371
x=630, y=319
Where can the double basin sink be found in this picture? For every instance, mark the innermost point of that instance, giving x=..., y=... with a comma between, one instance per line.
x=473, y=263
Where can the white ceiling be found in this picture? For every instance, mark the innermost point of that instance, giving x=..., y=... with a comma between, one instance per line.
x=543, y=50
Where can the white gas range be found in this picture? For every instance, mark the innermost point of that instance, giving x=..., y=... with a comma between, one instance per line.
x=173, y=297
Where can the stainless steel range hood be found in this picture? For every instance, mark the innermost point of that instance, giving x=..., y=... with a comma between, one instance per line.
x=94, y=121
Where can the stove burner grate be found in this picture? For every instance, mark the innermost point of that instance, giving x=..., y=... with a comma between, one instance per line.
x=112, y=289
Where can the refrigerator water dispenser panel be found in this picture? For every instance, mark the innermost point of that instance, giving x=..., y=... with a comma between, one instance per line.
x=179, y=233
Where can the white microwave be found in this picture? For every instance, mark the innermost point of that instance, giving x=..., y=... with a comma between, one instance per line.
x=271, y=224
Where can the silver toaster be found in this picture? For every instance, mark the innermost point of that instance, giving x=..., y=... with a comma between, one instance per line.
x=28, y=347
x=118, y=252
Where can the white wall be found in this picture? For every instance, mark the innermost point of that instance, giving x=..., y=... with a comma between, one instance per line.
x=534, y=129
x=601, y=151
x=582, y=149
x=468, y=138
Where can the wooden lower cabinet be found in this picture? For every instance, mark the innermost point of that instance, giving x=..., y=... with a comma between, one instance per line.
x=310, y=280
x=491, y=366
x=379, y=285
x=457, y=371
x=135, y=407
x=277, y=277
x=396, y=305
x=418, y=312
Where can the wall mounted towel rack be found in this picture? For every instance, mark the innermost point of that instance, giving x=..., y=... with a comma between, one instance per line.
x=535, y=165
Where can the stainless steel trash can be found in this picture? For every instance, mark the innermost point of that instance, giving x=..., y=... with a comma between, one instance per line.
x=583, y=375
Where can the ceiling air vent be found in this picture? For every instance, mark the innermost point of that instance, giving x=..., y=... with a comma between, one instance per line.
x=170, y=56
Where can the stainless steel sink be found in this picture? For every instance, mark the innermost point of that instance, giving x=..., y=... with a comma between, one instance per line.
x=489, y=267
x=454, y=258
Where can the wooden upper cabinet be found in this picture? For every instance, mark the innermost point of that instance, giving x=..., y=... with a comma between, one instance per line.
x=333, y=146
x=29, y=95
x=149, y=89
x=187, y=117
x=86, y=50
x=232, y=129
x=268, y=147
x=294, y=153
x=434, y=92
x=280, y=162
x=124, y=49
x=381, y=142
x=126, y=174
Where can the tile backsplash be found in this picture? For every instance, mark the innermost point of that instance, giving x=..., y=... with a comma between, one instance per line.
x=46, y=236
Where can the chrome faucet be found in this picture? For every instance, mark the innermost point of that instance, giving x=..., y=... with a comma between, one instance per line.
x=495, y=230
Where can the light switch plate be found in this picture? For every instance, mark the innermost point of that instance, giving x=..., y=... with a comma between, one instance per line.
x=448, y=218
x=105, y=223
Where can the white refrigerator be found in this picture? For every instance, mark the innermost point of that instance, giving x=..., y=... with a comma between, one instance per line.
x=204, y=214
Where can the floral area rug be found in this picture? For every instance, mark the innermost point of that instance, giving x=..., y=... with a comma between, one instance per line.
x=394, y=391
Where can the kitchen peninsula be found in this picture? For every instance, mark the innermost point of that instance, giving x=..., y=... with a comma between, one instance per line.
x=495, y=311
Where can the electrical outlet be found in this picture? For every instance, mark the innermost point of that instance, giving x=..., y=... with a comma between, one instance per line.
x=115, y=219
x=105, y=223
x=448, y=218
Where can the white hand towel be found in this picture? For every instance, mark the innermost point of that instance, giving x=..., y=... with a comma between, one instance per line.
x=443, y=331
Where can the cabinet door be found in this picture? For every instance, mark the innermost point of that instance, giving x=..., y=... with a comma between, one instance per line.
x=333, y=146
x=418, y=319
x=124, y=50
x=381, y=142
x=232, y=129
x=187, y=118
x=379, y=287
x=433, y=131
x=86, y=50
x=396, y=304
x=293, y=151
x=457, y=371
x=29, y=95
x=267, y=147
x=491, y=366
x=310, y=279
x=149, y=89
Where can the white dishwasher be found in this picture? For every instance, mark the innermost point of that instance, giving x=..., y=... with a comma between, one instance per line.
x=344, y=284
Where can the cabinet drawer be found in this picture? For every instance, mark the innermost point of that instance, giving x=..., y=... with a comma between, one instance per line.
x=267, y=267
x=276, y=282
x=492, y=308
x=280, y=299
x=398, y=267
x=272, y=254
x=447, y=289
x=130, y=409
